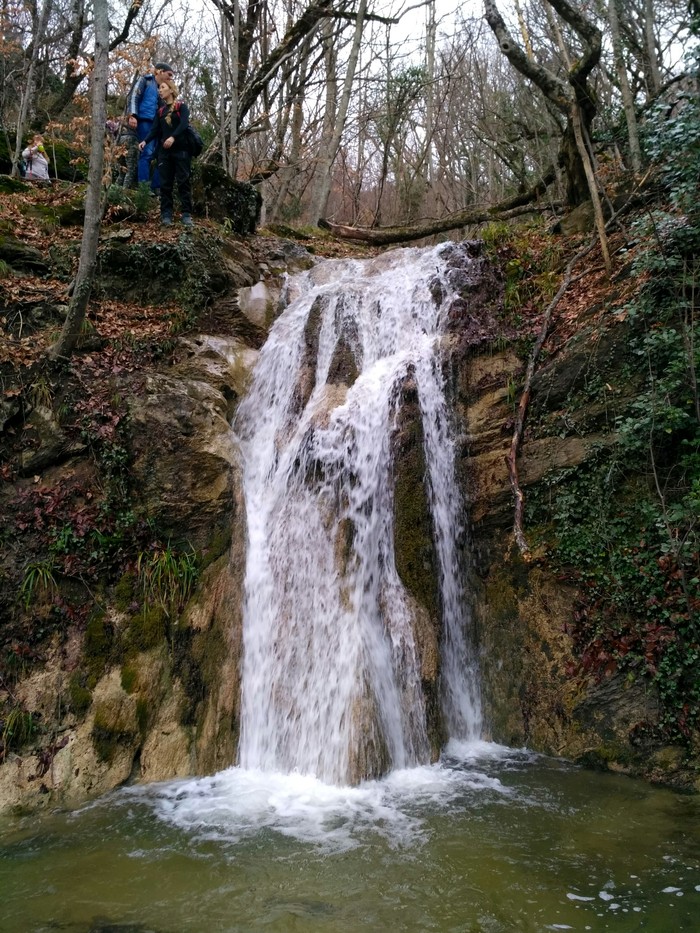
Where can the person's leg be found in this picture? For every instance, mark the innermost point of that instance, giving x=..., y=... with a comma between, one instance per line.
x=146, y=154
x=132, y=162
x=183, y=174
x=166, y=166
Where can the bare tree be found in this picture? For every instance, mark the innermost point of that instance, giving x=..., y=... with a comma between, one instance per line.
x=573, y=97
x=332, y=143
x=624, y=84
x=93, y=207
x=40, y=21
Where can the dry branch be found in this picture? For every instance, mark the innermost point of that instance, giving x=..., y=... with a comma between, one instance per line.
x=512, y=456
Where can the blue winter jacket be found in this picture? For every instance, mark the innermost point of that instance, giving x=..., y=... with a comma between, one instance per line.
x=144, y=99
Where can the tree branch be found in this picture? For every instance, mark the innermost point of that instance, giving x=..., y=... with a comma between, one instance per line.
x=551, y=86
x=134, y=10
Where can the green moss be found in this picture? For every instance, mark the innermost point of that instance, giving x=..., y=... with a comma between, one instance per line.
x=218, y=545
x=129, y=678
x=124, y=591
x=10, y=185
x=105, y=741
x=413, y=531
x=604, y=756
x=142, y=715
x=188, y=670
x=80, y=695
x=501, y=598
x=112, y=727
x=197, y=663
x=147, y=629
x=343, y=366
x=99, y=639
x=208, y=648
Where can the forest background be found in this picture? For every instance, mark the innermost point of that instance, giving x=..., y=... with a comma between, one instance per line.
x=369, y=114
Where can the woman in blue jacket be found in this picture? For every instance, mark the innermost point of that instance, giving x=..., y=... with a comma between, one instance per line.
x=174, y=164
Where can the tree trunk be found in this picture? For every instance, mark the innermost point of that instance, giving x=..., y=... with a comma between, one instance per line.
x=288, y=173
x=574, y=170
x=567, y=96
x=93, y=209
x=325, y=164
x=625, y=90
x=234, y=48
x=653, y=70
x=430, y=37
x=592, y=186
x=40, y=23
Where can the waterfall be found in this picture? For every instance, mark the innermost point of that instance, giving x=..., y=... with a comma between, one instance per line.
x=331, y=681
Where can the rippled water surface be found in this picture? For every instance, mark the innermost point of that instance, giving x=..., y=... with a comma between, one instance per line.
x=487, y=840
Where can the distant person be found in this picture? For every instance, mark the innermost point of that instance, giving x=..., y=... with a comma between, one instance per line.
x=142, y=109
x=36, y=163
x=127, y=137
x=174, y=162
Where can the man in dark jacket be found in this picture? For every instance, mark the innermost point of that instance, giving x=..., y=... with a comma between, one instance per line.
x=142, y=109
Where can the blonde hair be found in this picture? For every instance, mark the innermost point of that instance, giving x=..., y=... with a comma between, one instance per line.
x=171, y=84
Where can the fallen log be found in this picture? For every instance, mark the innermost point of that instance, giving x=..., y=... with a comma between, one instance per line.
x=384, y=236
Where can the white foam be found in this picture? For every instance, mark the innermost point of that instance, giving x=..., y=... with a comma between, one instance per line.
x=238, y=803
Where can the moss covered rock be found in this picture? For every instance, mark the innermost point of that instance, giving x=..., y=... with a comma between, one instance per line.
x=222, y=198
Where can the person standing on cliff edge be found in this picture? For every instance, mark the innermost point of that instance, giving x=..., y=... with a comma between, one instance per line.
x=170, y=131
x=142, y=109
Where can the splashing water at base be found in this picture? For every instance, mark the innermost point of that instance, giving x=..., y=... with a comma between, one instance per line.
x=488, y=839
x=332, y=673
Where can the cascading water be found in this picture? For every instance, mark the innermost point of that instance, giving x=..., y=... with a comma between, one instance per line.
x=331, y=679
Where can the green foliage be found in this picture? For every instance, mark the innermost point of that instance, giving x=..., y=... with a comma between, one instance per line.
x=142, y=198
x=39, y=581
x=137, y=201
x=18, y=727
x=530, y=260
x=4, y=269
x=673, y=141
x=625, y=524
x=167, y=578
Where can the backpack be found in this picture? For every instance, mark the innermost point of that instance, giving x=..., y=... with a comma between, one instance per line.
x=193, y=141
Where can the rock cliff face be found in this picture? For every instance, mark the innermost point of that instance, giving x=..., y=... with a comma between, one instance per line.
x=538, y=688
x=156, y=710
x=138, y=679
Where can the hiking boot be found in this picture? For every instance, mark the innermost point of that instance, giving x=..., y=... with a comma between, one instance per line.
x=166, y=220
x=186, y=220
